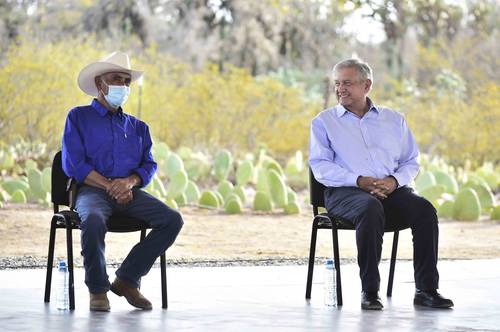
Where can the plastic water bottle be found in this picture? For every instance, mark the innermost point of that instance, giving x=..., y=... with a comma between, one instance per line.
x=62, y=286
x=330, y=284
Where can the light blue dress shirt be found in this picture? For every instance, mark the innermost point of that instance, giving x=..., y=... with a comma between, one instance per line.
x=344, y=146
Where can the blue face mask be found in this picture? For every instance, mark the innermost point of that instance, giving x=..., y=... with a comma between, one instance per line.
x=117, y=95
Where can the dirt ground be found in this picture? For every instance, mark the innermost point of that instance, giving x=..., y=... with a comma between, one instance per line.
x=211, y=235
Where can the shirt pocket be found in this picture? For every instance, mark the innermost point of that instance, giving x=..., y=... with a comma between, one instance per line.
x=130, y=150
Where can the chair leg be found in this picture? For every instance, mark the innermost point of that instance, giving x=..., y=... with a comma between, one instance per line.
x=163, y=268
x=336, y=256
x=69, y=245
x=312, y=254
x=50, y=260
x=393, y=263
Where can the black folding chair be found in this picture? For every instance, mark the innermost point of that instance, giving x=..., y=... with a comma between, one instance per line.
x=64, y=193
x=328, y=221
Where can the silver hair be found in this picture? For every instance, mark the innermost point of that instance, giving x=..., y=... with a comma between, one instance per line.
x=364, y=70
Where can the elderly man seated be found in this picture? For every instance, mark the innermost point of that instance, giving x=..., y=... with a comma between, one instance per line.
x=108, y=152
x=366, y=156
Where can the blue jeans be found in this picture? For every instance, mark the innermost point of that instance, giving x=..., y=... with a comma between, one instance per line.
x=95, y=206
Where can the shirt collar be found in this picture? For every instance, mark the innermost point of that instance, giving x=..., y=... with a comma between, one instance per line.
x=341, y=110
x=103, y=110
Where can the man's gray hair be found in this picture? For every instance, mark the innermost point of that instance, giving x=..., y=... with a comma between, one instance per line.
x=364, y=70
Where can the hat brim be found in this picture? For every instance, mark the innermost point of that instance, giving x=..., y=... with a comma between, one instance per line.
x=86, y=78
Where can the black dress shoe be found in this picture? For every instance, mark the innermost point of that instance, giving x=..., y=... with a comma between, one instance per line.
x=432, y=299
x=370, y=301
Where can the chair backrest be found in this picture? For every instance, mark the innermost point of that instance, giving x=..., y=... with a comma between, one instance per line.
x=316, y=191
x=59, y=191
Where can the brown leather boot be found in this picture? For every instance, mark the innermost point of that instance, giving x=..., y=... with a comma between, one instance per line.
x=133, y=296
x=99, y=302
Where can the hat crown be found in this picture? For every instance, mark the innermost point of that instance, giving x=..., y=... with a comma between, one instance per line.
x=114, y=62
x=119, y=59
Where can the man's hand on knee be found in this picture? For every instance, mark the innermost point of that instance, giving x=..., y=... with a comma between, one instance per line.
x=384, y=187
x=380, y=188
x=367, y=183
x=125, y=198
x=119, y=187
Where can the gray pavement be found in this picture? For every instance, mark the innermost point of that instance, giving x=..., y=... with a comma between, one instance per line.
x=260, y=298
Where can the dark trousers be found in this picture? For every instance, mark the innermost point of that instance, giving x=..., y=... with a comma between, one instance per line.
x=95, y=206
x=369, y=215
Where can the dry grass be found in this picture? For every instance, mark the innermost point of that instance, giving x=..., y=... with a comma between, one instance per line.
x=24, y=231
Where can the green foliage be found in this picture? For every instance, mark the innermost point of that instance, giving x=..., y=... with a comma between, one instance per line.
x=295, y=164
x=35, y=184
x=238, y=190
x=181, y=199
x=222, y=164
x=171, y=203
x=173, y=165
x=158, y=186
x=47, y=179
x=467, y=206
x=433, y=193
x=476, y=179
x=489, y=174
x=495, y=213
x=447, y=181
x=18, y=196
x=292, y=196
x=225, y=188
x=233, y=204
x=244, y=173
x=262, y=202
x=160, y=151
x=4, y=196
x=208, y=200
x=10, y=186
x=192, y=192
x=263, y=180
x=272, y=164
x=6, y=160
x=30, y=164
x=484, y=194
x=219, y=197
x=425, y=180
x=292, y=208
x=277, y=188
x=445, y=210
x=446, y=124
x=178, y=184
x=197, y=166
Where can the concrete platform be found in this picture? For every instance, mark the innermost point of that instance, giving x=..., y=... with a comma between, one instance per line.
x=260, y=299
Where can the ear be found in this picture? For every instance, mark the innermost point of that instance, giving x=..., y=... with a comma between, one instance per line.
x=101, y=88
x=368, y=85
x=98, y=82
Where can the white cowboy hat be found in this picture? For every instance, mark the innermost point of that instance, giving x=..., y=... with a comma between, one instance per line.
x=116, y=61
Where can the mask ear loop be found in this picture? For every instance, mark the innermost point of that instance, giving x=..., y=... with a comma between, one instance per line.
x=102, y=80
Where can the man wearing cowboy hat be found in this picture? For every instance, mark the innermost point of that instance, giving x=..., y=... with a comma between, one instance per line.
x=108, y=152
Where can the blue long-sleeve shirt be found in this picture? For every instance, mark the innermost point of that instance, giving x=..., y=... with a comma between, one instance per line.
x=343, y=146
x=114, y=145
